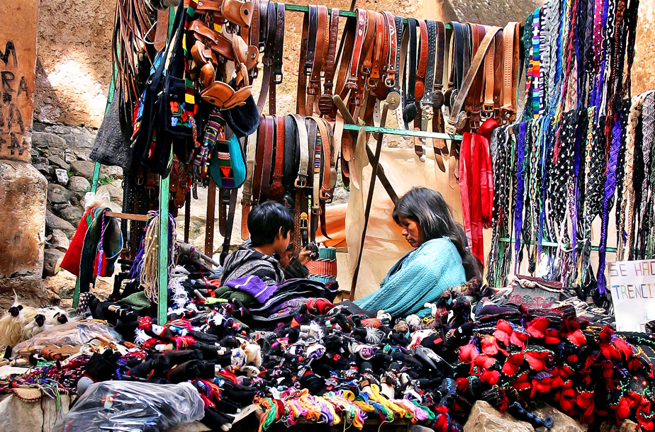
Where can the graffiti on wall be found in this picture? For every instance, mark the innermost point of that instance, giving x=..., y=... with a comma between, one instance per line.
x=15, y=104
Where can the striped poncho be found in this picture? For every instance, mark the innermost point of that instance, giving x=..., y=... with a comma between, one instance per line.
x=421, y=276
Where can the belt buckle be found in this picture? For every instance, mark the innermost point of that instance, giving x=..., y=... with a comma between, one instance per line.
x=371, y=83
x=393, y=99
x=303, y=221
x=301, y=181
x=325, y=195
x=487, y=112
x=307, y=70
x=427, y=110
x=277, y=78
x=506, y=114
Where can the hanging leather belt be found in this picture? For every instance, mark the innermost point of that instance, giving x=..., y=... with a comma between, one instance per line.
x=380, y=50
x=393, y=98
x=439, y=145
x=325, y=104
x=325, y=194
x=246, y=200
x=472, y=102
x=457, y=119
x=263, y=24
x=253, y=39
x=268, y=60
x=455, y=47
x=301, y=91
x=304, y=167
x=226, y=207
x=512, y=58
x=259, y=160
x=498, y=78
x=277, y=190
x=409, y=106
x=322, y=41
x=354, y=72
x=269, y=140
x=279, y=51
x=291, y=159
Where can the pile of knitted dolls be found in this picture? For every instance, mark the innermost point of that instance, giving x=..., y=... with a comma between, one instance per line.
x=341, y=366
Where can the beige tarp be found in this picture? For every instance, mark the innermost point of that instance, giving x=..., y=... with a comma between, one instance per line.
x=384, y=242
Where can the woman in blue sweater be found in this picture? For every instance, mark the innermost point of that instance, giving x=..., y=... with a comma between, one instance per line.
x=440, y=258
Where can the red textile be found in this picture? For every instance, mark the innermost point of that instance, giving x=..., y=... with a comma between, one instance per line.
x=476, y=186
x=71, y=261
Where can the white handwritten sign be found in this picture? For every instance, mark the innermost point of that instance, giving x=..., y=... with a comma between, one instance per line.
x=632, y=286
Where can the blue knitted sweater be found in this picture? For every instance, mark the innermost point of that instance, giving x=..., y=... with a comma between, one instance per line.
x=418, y=277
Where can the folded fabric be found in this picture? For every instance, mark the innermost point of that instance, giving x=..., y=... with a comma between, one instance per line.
x=227, y=293
x=71, y=261
x=254, y=286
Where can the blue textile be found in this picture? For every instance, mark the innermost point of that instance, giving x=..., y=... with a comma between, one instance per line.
x=417, y=278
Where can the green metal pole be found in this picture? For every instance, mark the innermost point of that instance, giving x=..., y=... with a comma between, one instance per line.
x=163, y=250
x=405, y=132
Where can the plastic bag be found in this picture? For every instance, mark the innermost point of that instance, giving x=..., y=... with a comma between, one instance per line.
x=130, y=406
x=72, y=333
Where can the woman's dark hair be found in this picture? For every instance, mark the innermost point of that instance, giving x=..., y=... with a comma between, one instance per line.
x=266, y=220
x=434, y=218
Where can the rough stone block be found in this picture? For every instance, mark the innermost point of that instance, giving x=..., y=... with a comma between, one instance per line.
x=51, y=260
x=46, y=140
x=22, y=237
x=58, y=194
x=53, y=222
x=83, y=168
x=58, y=240
x=116, y=194
x=62, y=176
x=486, y=418
x=72, y=214
x=561, y=422
x=79, y=184
x=56, y=160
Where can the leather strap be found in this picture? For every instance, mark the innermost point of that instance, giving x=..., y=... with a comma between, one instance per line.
x=380, y=50
x=315, y=160
x=301, y=92
x=472, y=103
x=314, y=88
x=277, y=190
x=209, y=220
x=263, y=20
x=268, y=59
x=291, y=155
x=392, y=60
x=423, y=53
x=228, y=202
x=259, y=160
x=279, y=46
x=439, y=145
x=393, y=97
x=269, y=140
x=409, y=107
x=311, y=41
x=246, y=200
x=325, y=103
x=305, y=166
x=498, y=78
x=253, y=40
x=511, y=52
x=427, y=101
x=358, y=47
x=161, y=30
x=455, y=121
x=325, y=193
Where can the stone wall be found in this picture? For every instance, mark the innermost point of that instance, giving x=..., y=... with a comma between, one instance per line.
x=74, y=63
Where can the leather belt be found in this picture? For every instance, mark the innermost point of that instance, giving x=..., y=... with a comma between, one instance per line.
x=246, y=200
x=455, y=50
x=301, y=92
x=268, y=60
x=409, y=107
x=325, y=192
x=511, y=52
x=325, y=104
x=291, y=158
x=457, y=118
x=353, y=69
x=423, y=54
x=259, y=160
x=277, y=189
x=304, y=167
x=311, y=41
x=393, y=98
x=439, y=145
x=279, y=47
x=314, y=88
x=381, y=49
x=253, y=38
x=392, y=59
x=269, y=139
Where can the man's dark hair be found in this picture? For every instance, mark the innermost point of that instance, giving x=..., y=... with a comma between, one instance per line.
x=266, y=220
